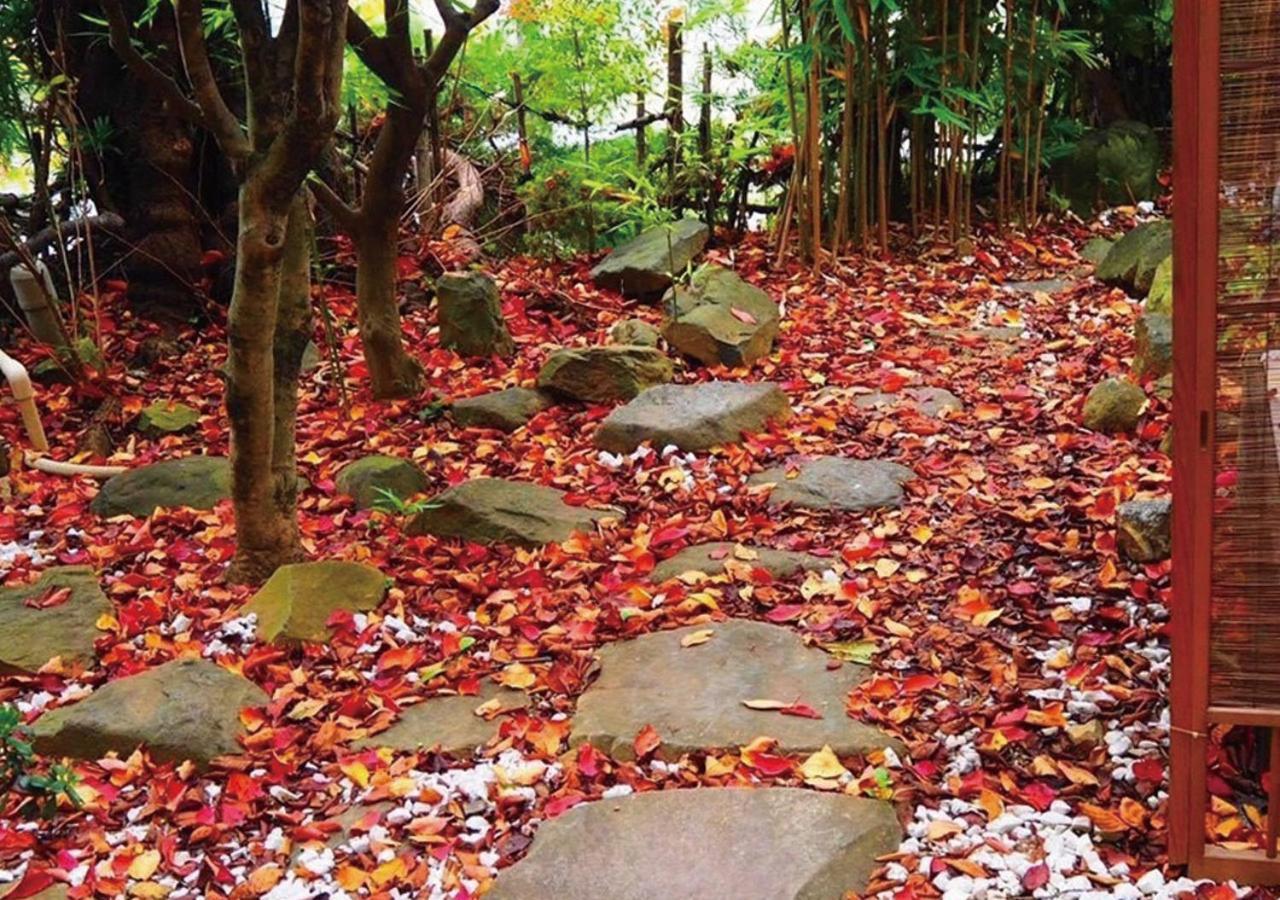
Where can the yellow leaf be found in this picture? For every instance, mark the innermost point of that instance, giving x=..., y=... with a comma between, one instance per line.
x=1077, y=775
x=357, y=772
x=264, y=878
x=695, y=638
x=719, y=765
x=518, y=675
x=390, y=871
x=897, y=629
x=305, y=709
x=764, y=704
x=991, y=804
x=144, y=865
x=940, y=830
x=149, y=890
x=922, y=533
x=823, y=765
x=886, y=567
x=351, y=878
x=986, y=617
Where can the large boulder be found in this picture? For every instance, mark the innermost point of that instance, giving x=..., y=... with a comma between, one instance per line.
x=450, y=722
x=1109, y=166
x=1133, y=261
x=470, y=314
x=1153, y=350
x=188, y=709
x=296, y=602
x=506, y=410
x=1144, y=531
x=691, y=687
x=1160, y=297
x=196, y=482
x=716, y=557
x=1096, y=249
x=693, y=416
x=644, y=266
x=496, y=511
x=721, y=320
x=162, y=417
x=762, y=843
x=1114, y=406
x=54, y=616
x=832, y=482
x=604, y=374
x=370, y=479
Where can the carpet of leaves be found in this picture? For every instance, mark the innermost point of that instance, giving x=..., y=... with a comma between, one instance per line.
x=992, y=606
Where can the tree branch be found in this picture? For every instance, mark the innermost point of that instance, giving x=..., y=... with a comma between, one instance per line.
x=456, y=28
x=371, y=48
x=178, y=101
x=346, y=217
x=218, y=118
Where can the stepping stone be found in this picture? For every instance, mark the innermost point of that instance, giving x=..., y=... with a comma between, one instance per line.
x=693, y=696
x=161, y=418
x=196, y=482
x=693, y=416
x=609, y=374
x=721, y=320
x=706, y=844
x=1132, y=262
x=54, y=616
x=643, y=266
x=448, y=722
x=470, y=314
x=637, y=332
x=1144, y=529
x=1113, y=406
x=833, y=482
x=931, y=401
x=1046, y=286
x=496, y=511
x=370, y=479
x=188, y=709
x=504, y=410
x=714, y=558
x=1153, y=345
x=298, y=599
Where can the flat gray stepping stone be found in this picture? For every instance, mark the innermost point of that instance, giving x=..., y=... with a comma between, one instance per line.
x=497, y=511
x=298, y=599
x=693, y=416
x=196, y=482
x=931, y=401
x=365, y=480
x=1046, y=286
x=833, y=482
x=449, y=722
x=706, y=844
x=54, y=616
x=713, y=558
x=609, y=374
x=721, y=320
x=643, y=266
x=693, y=696
x=188, y=709
x=504, y=410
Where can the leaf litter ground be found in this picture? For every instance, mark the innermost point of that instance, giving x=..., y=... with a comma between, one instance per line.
x=1023, y=664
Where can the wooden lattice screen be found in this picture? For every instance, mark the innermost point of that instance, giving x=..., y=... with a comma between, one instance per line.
x=1226, y=574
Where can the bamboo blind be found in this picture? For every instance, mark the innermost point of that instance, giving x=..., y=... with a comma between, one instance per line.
x=1245, y=605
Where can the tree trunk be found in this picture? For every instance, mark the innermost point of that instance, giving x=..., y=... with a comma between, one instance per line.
x=270, y=302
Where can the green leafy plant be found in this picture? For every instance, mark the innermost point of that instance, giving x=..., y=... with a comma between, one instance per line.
x=40, y=791
x=389, y=502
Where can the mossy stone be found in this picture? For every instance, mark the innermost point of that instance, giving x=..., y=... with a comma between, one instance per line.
x=1114, y=405
x=368, y=480
x=296, y=602
x=166, y=417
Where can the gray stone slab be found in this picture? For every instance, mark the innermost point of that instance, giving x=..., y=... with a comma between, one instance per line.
x=714, y=557
x=449, y=722
x=706, y=844
x=693, y=696
x=693, y=416
x=32, y=634
x=833, y=482
x=497, y=511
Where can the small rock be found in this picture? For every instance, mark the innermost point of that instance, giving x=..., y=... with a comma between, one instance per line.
x=832, y=482
x=636, y=332
x=506, y=410
x=296, y=602
x=693, y=416
x=1144, y=529
x=929, y=400
x=195, y=482
x=188, y=709
x=496, y=511
x=1153, y=350
x=470, y=314
x=163, y=417
x=713, y=558
x=1047, y=286
x=721, y=320
x=368, y=480
x=449, y=722
x=643, y=266
x=1114, y=406
x=604, y=374
x=39, y=622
